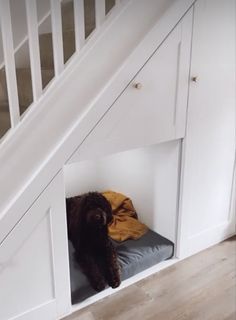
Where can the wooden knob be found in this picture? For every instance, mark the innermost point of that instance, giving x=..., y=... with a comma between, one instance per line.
x=138, y=85
x=195, y=79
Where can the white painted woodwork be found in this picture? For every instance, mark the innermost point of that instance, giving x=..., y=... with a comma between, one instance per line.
x=9, y=60
x=209, y=147
x=152, y=109
x=99, y=12
x=138, y=117
x=57, y=38
x=149, y=176
x=79, y=24
x=34, y=273
x=19, y=21
x=52, y=299
x=59, y=130
x=32, y=24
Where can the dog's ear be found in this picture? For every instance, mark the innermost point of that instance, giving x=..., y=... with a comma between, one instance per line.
x=73, y=207
x=105, y=205
x=109, y=212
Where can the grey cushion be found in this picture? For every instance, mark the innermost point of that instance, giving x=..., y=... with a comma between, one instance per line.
x=134, y=256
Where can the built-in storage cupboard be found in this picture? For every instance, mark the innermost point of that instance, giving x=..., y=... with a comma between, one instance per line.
x=152, y=109
x=209, y=146
x=167, y=142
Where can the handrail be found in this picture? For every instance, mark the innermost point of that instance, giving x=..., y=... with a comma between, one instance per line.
x=34, y=50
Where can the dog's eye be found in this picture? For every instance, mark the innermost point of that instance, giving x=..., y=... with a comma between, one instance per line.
x=97, y=216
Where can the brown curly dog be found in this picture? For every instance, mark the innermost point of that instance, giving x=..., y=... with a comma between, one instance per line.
x=88, y=217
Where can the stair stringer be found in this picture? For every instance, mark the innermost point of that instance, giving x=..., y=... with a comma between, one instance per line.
x=48, y=137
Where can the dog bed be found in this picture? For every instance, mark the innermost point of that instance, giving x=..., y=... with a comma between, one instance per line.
x=134, y=256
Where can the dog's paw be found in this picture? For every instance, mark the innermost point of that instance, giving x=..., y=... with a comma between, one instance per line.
x=99, y=285
x=115, y=282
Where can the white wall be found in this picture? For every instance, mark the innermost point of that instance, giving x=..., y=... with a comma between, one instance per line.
x=149, y=176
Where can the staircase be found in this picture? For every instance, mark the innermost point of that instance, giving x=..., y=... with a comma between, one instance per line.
x=46, y=52
x=43, y=138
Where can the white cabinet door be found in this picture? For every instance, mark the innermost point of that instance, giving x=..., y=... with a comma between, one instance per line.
x=34, y=275
x=152, y=108
x=209, y=147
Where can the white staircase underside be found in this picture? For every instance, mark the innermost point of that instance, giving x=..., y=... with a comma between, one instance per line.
x=51, y=132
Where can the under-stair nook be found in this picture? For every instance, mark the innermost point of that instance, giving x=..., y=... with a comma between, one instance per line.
x=133, y=96
x=149, y=176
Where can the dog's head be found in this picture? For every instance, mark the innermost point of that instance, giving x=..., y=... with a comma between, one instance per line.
x=95, y=210
x=96, y=217
x=90, y=211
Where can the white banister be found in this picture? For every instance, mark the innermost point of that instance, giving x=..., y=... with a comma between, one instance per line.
x=9, y=59
x=32, y=23
x=99, y=12
x=33, y=38
x=57, y=36
x=79, y=24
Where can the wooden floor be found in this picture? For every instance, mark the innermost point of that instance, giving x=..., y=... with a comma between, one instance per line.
x=202, y=287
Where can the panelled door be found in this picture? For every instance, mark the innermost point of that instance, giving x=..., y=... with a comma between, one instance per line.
x=152, y=109
x=210, y=144
x=34, y=275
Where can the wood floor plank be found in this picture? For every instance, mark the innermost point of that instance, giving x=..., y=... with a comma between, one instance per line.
x=202, y=287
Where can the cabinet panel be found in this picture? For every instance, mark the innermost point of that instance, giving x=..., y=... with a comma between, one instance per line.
x=210, y=139
x=22, y=262
x=34, y=274
x=152, y=108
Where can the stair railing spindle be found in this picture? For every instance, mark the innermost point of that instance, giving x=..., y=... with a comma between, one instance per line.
x=79, y=24
x=32, y=23
x=99, y=12
x=57, y=36
x=9, y=60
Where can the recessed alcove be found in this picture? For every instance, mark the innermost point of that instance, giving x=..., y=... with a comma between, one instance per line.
x=148, y=175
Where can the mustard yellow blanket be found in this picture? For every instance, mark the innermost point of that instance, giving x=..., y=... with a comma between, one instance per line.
x=125, y=224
